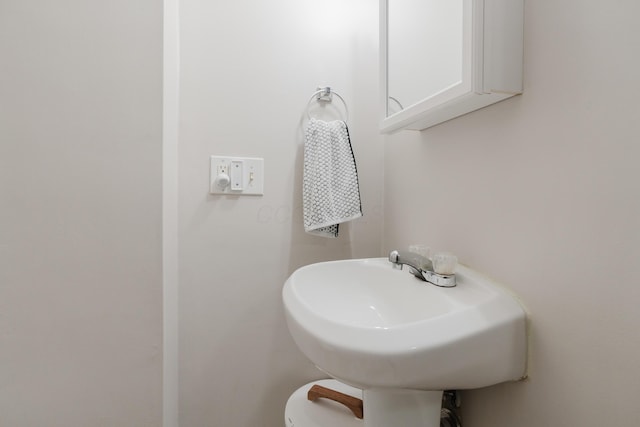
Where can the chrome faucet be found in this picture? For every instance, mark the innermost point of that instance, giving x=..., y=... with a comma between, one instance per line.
x=422, y=268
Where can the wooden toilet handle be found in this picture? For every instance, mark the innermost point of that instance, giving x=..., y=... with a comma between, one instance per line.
x=353, y=403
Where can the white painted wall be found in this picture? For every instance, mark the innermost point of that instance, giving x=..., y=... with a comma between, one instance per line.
x=539, y=192
x=542, y=192
x=248, y=69
x=80, y=213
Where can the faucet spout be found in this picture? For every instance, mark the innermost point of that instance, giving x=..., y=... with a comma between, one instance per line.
x=421, y=267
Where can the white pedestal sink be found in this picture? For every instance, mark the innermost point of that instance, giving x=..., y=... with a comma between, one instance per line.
x=403, y=341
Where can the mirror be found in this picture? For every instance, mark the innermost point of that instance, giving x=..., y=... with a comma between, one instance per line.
x=440, y=59
x=424, y=49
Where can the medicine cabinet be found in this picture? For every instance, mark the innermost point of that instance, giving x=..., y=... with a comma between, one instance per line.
x=441, y=59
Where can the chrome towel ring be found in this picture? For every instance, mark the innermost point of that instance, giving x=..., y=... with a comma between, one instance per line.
x=325, y=94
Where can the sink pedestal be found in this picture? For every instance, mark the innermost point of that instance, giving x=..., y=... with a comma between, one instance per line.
x=401, y=407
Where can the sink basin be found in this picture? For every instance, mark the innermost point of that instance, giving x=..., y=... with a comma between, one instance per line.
x=375, y=327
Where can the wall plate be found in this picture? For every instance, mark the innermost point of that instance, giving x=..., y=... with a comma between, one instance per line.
x=240, y=176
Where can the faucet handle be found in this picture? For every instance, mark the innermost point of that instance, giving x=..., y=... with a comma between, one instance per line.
x=444, y=263
x=421, y=249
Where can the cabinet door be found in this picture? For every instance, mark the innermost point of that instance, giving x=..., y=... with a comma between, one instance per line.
x=444, y=58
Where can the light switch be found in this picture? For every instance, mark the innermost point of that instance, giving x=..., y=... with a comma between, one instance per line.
x=236, y=176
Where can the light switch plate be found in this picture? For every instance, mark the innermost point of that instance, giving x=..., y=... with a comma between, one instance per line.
x=240, y=176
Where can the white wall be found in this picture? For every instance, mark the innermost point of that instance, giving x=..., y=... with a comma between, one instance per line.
x=542, y=192
x=248, y=69
x=539, y=192
x=80, y=213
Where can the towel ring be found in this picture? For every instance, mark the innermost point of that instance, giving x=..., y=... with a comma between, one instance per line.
x=325, y=94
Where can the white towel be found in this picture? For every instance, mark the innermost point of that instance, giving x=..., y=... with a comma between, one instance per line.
x=330, y=192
